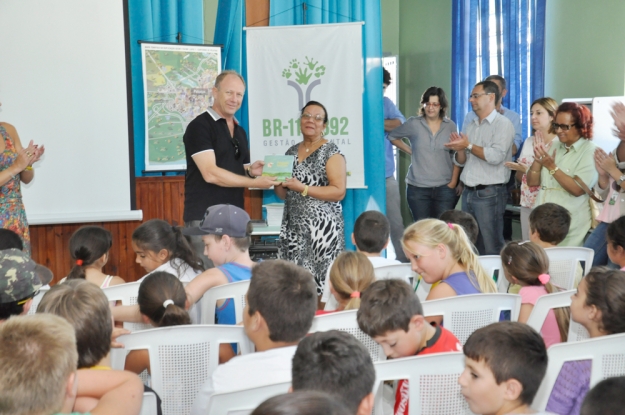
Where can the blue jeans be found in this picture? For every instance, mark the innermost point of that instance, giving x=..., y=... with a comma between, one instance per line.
x=487, y=207
x=597, y=242
x=429, y=202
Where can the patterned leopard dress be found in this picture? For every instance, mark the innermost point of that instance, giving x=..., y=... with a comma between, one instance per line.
x=312, y=233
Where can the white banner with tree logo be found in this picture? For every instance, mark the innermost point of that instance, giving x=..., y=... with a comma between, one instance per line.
x=287, y=66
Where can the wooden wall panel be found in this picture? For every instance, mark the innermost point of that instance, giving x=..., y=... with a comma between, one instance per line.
x=158, y=197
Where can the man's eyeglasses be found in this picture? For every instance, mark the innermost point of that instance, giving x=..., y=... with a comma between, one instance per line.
x=307, y=116
x=563, y=127
x=431, y=104
x=476, y=96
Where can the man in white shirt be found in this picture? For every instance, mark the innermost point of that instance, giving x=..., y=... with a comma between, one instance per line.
x=279, y=309
x=482, y=149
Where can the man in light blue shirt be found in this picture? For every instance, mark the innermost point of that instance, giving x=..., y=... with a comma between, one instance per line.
x=393, y=118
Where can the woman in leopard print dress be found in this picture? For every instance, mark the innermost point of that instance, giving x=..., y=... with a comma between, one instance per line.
x=312, y=233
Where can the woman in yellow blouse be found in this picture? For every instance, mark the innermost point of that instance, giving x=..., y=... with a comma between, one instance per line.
x=572, y=156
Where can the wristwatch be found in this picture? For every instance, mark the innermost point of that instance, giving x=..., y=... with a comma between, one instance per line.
x=552, y=172
x=620, y=180
x=469, y=147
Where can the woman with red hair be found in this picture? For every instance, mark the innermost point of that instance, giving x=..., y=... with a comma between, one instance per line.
x=554, y=170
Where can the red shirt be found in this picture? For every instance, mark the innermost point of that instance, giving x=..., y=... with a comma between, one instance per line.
x=442, y=341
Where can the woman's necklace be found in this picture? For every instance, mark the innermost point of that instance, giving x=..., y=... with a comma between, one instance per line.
x=567, y=148
x=311, y=144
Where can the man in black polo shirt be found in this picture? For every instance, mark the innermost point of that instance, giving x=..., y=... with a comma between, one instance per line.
x=218, y=156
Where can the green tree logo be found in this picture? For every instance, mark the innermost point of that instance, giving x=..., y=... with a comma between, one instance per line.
x=302, y=74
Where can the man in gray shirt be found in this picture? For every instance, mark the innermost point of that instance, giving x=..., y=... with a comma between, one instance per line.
x=482, y=149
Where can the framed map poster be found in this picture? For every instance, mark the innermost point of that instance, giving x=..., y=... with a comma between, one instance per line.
x=177, y=84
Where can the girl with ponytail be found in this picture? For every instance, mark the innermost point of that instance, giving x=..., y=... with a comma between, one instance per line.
x=89, y=248
x=162, y=302
x=162, y=247
x=350, y=274
x=442, y=253
x=526, y=264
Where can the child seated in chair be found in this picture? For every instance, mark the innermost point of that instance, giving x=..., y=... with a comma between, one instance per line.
x=599, y=306
x=226, y=231
x=392, y=315
x=38, y=358
x=504, y=365
x=351, y=273
x=606, y=398
x=549, y=225
x=279, y=309
x=86, y=308
x=337, y=363
x=371, y=236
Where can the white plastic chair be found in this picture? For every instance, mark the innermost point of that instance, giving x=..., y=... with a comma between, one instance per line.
x=37, y=300
x=433, y=386
x=577, y=332
x=464, y=314
x=607, y=354
x=398, y=271
x=127, y=294
x=423, y=288
x=563, y=263
x=235, y=291
x=546, y=303
x=182, y=358
x=149, y=405
x=244, y=401
x=492, y=266
x=346, y=321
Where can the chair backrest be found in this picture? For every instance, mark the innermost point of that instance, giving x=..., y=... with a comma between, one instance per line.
x=563, y=263
x=423, y=288
x=546, y=303
x=149, y=405
x=399, y=271
x=346, y=321
x=182, y=358
x=493, y=268
x=37, y=300
x=607, y=354
x=127, y=294
x=236, y=291
x=243, y=401
x=433, y=388
x=464, y=314
x=577, y=332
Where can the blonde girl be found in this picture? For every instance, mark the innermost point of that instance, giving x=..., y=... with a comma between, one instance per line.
x=350, y=274
x=526, y=264
x=441, y=252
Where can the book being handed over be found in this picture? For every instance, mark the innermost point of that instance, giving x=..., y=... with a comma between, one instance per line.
x=281, y=167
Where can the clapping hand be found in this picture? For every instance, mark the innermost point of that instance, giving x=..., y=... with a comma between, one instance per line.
x=604, y=163
x=457, y=141
x=618, y=114
x=541, y=154
x=516, y=166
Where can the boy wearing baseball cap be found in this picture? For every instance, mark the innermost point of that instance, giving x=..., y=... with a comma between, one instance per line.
x=20, y=280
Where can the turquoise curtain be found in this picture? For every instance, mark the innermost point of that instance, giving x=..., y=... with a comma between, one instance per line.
x=157, y=21
x=520, y=33
x=291, y=12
